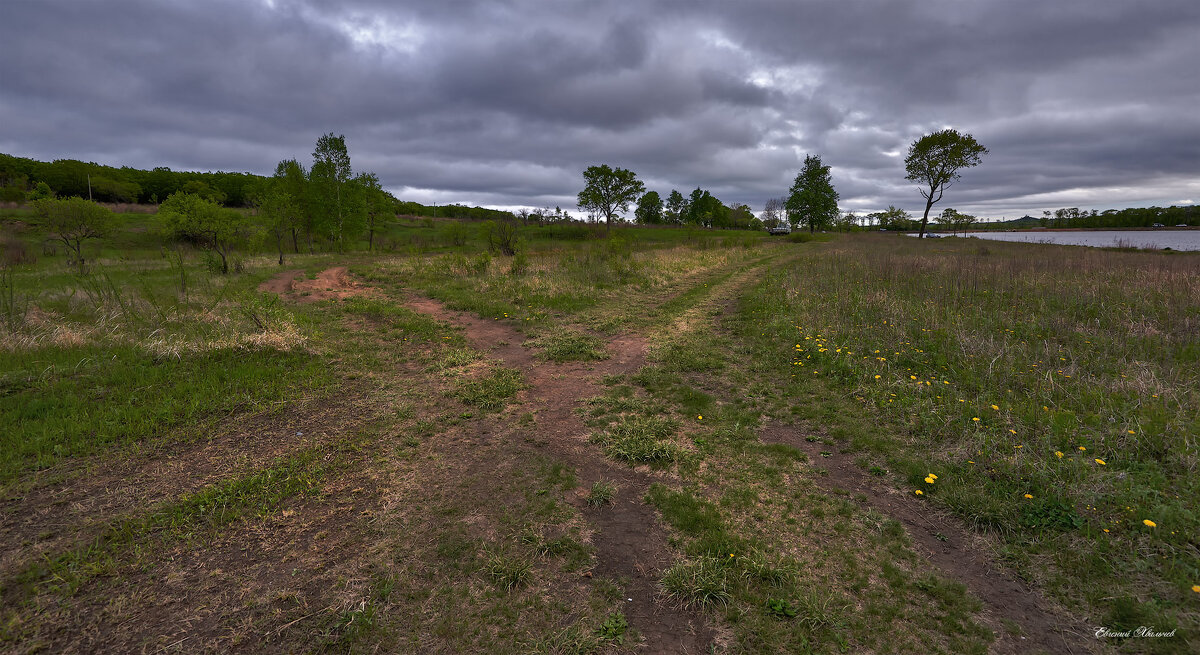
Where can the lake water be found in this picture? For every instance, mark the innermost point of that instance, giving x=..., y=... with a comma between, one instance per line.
x=1173, y=239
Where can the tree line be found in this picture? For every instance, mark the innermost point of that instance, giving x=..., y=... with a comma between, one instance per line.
x=609, y=192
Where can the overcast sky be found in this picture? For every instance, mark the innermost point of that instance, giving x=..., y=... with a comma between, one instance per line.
x=1088, y=103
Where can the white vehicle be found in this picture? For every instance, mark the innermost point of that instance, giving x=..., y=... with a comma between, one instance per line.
x=782, y=228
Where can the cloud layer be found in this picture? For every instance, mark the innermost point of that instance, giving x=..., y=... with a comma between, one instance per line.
x=504, y=103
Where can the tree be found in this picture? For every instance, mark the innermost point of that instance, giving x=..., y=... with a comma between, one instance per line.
x=377, y=203
x=608, y=191
x=955, y=220
x=675, y=208
x=934, y=162
x=73, y=221
x=188, y=216
x=813, y=199
x=278, y=208
x=649, y=209
x=331, y=172
x=772, y=216
x=41, y=191
x=291, y=178
x=892, y=218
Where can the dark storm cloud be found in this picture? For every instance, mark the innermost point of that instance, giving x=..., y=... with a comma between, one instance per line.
x=505, y=102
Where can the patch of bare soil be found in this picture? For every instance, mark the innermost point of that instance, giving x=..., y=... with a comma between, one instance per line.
x=954, y=550
x=238, y=592
x=630, y=545
x=331, y=284
x=48, y=518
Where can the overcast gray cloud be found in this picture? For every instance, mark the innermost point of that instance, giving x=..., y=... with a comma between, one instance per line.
x=504, y=103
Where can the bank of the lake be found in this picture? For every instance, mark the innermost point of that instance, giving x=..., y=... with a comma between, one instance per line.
x=1178, y=239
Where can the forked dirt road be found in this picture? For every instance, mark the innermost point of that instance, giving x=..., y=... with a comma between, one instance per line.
x=629, y=542
x=630, y=545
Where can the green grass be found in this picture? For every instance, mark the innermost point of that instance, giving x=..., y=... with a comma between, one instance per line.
x=60, y=404
x=1049, y=388
x=601, y=493
x=570, y=346
x=640, y=440
x=490, y=392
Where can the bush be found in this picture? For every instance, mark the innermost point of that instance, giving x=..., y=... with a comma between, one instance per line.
x=457, y=234
x=500, y=236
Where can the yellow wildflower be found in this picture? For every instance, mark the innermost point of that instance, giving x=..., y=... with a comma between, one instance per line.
x=1149, y=523
x=1058, y=454
x=929, y=480
x=1029, y=495
x=1100, y=462
x=996, y=407
x=975, y=418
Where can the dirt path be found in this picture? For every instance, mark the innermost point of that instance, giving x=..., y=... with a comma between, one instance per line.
x=953, y=550
x=630, y=545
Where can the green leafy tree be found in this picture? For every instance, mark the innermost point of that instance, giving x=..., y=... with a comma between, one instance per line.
x=676, y=207
x=41, y=191
x=608, y=192
x=280, y=211
x=202, y=189
x=934, y=162
x=191, y=217
x=378, y=204
x=72, y=221
x=892, y=218
x=813, y=200
x=955, y=220
x=649, y=209
x=331, y=175
x=291, y=178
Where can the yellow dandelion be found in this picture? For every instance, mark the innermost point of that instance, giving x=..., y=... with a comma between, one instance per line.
x=912, y=377
x=933, y=476
x=876, y=377
x=1058, y=454
x=1029, y=495
x=699, y=417
x=970, y=461
x=1082, y=448
x=1149, y=523
x=996, y=407
x=1196, y=588
x=1100, y=462
x=1131, y=432
x=919, y=492
x=929, y=480
x=975, y=418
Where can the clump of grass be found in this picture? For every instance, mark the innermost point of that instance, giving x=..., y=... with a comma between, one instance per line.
x=507, y=572
x=570, y=346
x=602, y=493
x=641, y=439
x=700, y=582
x=492, y=391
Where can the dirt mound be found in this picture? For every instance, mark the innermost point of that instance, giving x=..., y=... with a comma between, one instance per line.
x=331, y=284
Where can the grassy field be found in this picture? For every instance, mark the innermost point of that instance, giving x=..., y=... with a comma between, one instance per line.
x=651, y=440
